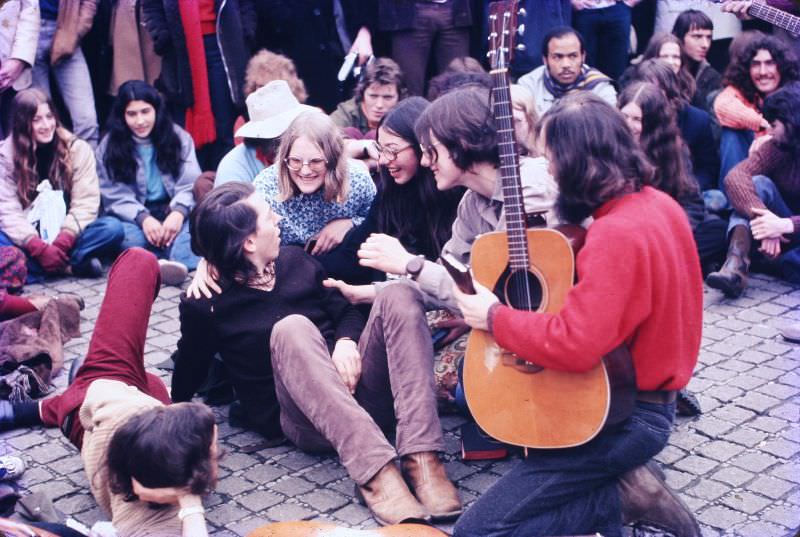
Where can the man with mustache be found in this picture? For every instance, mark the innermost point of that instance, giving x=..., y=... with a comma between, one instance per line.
x=565, y=71
x=764, y=66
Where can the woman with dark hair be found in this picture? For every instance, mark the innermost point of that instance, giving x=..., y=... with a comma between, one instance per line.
x=287, y=339
x=764, y=190
x=669, y=48
x=137, y=449
x=147, y=167
x=40, y=155
x=652, y=122
x=408, y=205
x=694, y=125
x=652, y=302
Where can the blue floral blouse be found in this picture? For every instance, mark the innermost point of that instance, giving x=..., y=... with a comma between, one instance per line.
x=304, y=215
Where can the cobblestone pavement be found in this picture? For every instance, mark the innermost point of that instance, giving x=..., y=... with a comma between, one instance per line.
x=737, y=466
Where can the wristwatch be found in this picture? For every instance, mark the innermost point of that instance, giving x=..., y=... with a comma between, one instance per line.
x=414, y=267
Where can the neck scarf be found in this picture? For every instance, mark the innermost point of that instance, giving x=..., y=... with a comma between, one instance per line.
x=199, y=117
x=587, y=80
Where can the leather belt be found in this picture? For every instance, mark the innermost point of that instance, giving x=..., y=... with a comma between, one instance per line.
x=659, y=397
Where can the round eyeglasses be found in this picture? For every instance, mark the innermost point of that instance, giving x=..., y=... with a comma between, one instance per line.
x=296, y=164
x=390, y=153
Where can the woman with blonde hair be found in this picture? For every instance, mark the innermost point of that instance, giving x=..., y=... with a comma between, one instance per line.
x=318, y=192
x=523, y=108
x=40, y=150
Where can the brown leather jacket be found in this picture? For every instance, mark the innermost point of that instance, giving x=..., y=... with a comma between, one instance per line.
x=74, y=21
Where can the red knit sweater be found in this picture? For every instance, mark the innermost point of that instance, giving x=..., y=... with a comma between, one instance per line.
x=639, y=282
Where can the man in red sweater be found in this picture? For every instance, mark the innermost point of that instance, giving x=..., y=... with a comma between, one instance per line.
x=639, y=283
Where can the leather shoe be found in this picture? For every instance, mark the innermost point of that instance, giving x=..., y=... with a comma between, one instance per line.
x=389, y=499
x=426, y=476
x=645, y=497
x=88, y=268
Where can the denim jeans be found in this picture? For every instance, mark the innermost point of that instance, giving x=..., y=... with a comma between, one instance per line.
x=180, y=251
x=100, y=238
x=221, y=104
x=734, y=146
x=789, y=261
x=570, y=491
x=606, y=32
x=73, y=80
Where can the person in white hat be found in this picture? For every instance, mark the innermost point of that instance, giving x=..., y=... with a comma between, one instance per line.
x=271, y=109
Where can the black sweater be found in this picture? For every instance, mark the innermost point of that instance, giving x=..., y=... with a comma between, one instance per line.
x=238, y=323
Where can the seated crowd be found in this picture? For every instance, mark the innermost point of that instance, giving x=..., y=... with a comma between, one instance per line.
x=315, y=241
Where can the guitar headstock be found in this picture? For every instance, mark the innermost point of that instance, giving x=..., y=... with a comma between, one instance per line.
x=503, y=31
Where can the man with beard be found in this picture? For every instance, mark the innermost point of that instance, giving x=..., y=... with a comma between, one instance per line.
x=639, y=283
x=765, y=65
x=565, y=71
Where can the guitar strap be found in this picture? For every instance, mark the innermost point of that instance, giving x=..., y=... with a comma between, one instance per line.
x=622, y=383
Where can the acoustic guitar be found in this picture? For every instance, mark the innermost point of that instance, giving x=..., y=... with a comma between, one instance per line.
x=513, y=400
x=773, y=15
x=321, y=529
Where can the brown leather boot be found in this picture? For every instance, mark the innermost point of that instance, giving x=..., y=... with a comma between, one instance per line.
x=389, y=499
x=426, y=476
x=731, y=279
x=645, y=497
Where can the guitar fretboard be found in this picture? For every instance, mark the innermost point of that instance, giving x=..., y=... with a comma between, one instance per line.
x=773, y=15
x=513, y=203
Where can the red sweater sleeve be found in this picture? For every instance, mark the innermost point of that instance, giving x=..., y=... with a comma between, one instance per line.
x=734, y=112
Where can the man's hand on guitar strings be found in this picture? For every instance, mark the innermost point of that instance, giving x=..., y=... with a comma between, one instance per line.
x=738, y=8
x=475, y=308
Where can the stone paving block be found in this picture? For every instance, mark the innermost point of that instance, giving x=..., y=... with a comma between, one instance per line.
x=731, y=413
x=325, y=473
x=678, y=480
x=754, y=461
x=720, y=450
x=297, y=460
x=24, y=442
x=724, y=393
x=786, y=516
x=54, y=489
x=717, y=374
x=324, y=500
x=771, y=309
x=768, y=424
x=787, y=362
x=76, y=503
x=733, y=476
x=292, y=486
x=746, y=382
x=765, y=372
x=781, y=391
x=260, y=500
x=773, y=347
x=686, y=439
x=709, y=490
x=713, y=427
x=721, y=517
x=770, y=487
x=746, y=502
x=237, y=461
x=670, y=454
x=352, y=514
x=245, y=526
x=233, y=486
x=226, y=514
x=35, y=475
x=696, y=465
x=792, y=434
x=761, y=529
x=787, y=411
x=787, y=471
x=47, y=453
x=289, y=511
x=782, y=448
x=757, y=401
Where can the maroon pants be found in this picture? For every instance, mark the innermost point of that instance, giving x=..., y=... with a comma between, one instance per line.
x=116, y=351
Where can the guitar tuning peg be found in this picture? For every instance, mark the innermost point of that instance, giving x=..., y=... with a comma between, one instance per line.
x=521, y=48
x=521, y=30
x=489, y=54
x=522, y=12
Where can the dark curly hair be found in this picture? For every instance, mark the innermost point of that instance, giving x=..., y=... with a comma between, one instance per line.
x=661, y=140
x=120, y=157
x=166, y=446
x=462, y=121
x=784, y=106
x=593, y=155
x=738, y=72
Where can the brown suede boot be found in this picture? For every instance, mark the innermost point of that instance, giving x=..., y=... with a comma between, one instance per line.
x=389, y=499
x=731, y=279
x=645, y=497
x=426, y=476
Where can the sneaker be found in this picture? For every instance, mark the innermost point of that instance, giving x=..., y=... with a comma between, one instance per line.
x=791, y=332
x=172, y=272
x=11, y=467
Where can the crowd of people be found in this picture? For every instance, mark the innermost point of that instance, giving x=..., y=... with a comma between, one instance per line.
x=313, y=202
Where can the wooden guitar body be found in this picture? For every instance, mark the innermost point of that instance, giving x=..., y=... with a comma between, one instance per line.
x=321, y=529
x=513, y=402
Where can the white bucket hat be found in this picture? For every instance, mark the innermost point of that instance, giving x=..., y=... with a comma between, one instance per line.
x=271, y=109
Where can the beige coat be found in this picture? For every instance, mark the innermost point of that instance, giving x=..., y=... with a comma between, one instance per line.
x=74, y=21
x=84, y=196
x=19, y=35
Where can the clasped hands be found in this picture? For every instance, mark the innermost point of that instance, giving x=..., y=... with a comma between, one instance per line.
x=770, y=229
x=162, y=234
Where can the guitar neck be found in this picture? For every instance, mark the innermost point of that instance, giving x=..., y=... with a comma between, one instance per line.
x=773, y=15
x=513, y=202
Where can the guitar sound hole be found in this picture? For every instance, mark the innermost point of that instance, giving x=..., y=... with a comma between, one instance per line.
x=522, y=290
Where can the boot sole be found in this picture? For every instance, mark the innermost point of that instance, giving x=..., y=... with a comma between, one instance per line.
x=725, y=286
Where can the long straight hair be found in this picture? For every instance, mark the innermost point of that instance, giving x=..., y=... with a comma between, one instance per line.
x=120, y=156
x=24, y=108
x=686, y=81
x=416, y=209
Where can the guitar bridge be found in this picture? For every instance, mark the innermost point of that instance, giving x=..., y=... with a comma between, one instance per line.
x=512, y=360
